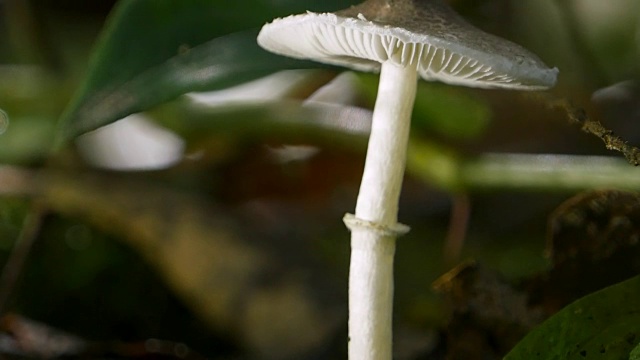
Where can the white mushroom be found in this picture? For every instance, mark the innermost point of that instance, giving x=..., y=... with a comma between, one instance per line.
x=402, y=39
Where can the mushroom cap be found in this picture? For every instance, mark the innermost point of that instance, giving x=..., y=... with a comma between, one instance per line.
x=427, y=34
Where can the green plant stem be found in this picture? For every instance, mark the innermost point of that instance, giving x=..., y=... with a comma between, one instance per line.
x=21, y=249
x=550, y=172
x=520, y=172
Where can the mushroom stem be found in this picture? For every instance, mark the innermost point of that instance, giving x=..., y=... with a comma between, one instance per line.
x=374, y=227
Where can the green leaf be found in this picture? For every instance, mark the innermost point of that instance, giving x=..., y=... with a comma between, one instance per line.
x=603, y=325
x=450, y=111
x=152, y=51
x=222, y=62
x=635, y=353
x=434, y=164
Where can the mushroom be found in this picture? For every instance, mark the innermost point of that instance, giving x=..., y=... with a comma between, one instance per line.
x=401, y=39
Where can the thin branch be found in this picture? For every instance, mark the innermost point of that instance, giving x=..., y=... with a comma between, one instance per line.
x=612, y=142
x=458, y=226
x=16, y=181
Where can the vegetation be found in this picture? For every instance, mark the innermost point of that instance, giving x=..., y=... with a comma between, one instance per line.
x=170, y=189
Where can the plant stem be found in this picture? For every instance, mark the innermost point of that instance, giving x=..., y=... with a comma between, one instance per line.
x=17, y=181
x=374, y=227
x=446, y=170
x=458, y=227
x=21, y=250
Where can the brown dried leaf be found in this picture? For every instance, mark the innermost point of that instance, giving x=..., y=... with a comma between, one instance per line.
x=593, y=242
x=488, y=315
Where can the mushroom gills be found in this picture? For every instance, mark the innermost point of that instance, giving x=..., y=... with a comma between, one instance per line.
x=365, y=51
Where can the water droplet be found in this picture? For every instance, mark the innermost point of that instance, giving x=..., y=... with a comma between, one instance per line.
x=4, y=122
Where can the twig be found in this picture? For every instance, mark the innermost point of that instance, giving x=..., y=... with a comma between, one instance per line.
x=612, y=142
x=16, y=181
x=458, y=225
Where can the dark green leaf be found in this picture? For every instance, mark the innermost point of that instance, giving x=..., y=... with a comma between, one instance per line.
x=603, y=325
x=154, y=50
x=222, y=62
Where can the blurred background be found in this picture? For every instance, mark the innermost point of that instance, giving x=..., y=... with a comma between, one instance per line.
x=213, y=221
